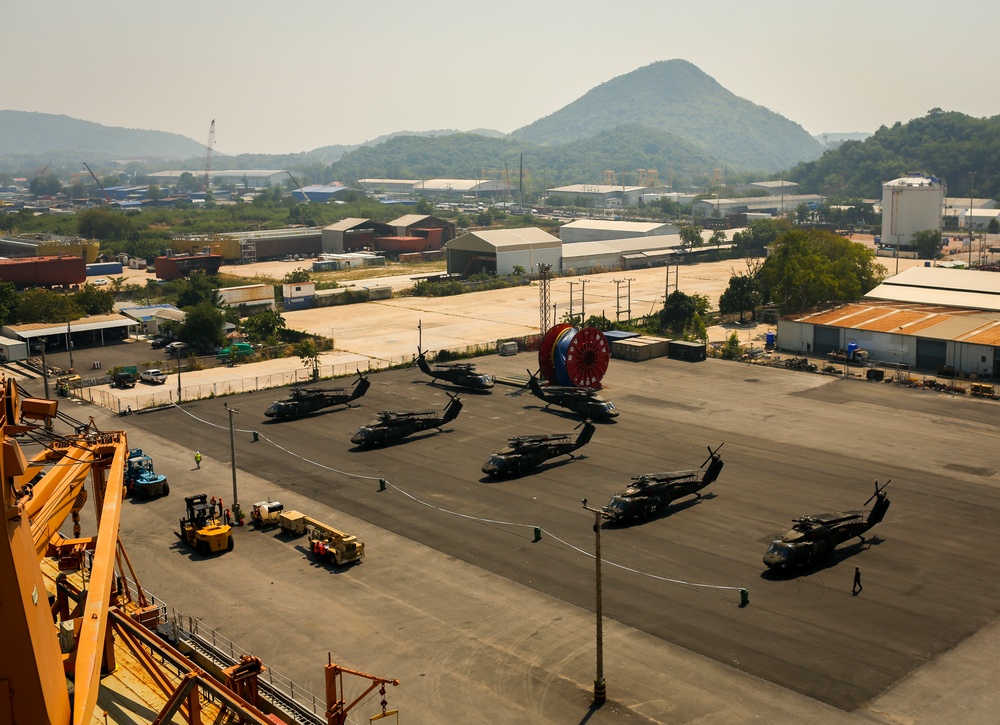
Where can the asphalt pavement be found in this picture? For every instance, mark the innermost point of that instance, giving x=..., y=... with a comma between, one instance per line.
x=481, y=623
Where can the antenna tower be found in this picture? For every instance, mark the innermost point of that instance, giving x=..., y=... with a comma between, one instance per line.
x=544, y=274
x=208, y=155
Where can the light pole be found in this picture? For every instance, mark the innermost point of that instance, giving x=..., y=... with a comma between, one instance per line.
x=69, y=342
x=232, y=455
x=178, y=351
x=972, y=181
x=45, y=369
x=600, y=687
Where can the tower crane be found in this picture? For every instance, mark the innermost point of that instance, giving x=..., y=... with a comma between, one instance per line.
x=210, y=146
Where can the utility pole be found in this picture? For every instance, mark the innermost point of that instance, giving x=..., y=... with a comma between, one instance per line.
x=972, y=181
x=583, y=300
x=232, y=455
x=45, y=370
x=571, y=298
x=600, y=686
x=178, y=375
x=618, y=297
x=69, y=343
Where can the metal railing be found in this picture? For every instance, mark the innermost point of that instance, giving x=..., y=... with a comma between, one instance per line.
x=279, y=690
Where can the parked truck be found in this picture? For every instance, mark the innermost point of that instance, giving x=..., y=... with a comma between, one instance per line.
x=265, y=514
x=154, y=376
x=326, y=543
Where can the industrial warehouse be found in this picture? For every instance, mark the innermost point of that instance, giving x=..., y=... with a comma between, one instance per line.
x=926, y=317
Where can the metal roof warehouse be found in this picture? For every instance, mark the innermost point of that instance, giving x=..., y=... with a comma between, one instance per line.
x=926, y=318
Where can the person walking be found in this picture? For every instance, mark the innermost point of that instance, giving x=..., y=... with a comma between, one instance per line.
x=197, y=459
x=227, y=517
x=856, y=589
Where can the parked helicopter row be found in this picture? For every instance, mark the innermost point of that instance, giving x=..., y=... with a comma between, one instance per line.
x=811, y=538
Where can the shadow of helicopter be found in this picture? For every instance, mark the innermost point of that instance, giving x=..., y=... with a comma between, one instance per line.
x=540, y=468
x=663, y=513
x=569, y=414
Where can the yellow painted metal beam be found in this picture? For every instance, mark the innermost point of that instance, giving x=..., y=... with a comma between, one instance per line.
x=94, y=627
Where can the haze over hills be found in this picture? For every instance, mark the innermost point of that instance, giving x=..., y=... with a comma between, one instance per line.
x=668, y=116
x=28, y=133
x=677, y=97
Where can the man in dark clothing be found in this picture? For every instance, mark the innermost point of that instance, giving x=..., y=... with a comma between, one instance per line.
x=856, y=589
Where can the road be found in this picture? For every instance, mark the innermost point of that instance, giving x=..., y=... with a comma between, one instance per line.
x=437, y=596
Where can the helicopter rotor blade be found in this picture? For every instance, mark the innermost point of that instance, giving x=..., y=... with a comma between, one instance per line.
x=711, y=453
x=878, y=490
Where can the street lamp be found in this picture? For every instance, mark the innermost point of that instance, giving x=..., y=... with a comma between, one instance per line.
x=600, y=687
x=178, y=351
x=232, y=455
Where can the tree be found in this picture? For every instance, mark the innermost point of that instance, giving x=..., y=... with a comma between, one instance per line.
x=296, y=276
x=93, y=300
x=424, y=207
x=154, y=192
x=105, y=225
x=809, y=267
x=45, y=185
x=9, y=302
x=928, y=243
x=753, y=240
x=994, y=226
x=186, y=183
x=263, y=325
x=198, y=288
x=741, y=296
x=678, y=311
x=718, y=238
x=690, y=236
x=203, y=327
x=308, y=353
x=43, y=305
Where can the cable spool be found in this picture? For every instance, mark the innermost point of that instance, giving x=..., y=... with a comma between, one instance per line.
x=579, y=358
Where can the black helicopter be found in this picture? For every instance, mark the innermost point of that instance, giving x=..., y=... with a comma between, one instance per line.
x=308, y=400
x=583, y=401
x=390, y=426
x=525, y=452
x=814, y=537
x=463, y=375
x=651, y=492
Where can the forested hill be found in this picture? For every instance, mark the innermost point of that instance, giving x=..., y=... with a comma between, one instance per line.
x=948, y=144
x=27, y=133
x=677, y=97
x=468, y=155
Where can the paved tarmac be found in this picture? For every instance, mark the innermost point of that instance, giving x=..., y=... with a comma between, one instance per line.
x=482, y=624
x=479, y=641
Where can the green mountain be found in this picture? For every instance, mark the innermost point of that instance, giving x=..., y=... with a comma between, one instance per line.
x=947, y=144
x=675, y=96
x=24, y=133
x=625, y=148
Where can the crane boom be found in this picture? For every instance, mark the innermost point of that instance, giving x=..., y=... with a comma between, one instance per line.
x=208, y=155
x=107, y=198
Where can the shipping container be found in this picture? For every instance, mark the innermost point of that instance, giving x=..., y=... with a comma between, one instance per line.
x=246, y=293
x=684, y=350
x=43, y=271
x=104, y=268
x=12, y=350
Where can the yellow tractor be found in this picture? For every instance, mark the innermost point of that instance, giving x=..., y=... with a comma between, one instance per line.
x=203, y=527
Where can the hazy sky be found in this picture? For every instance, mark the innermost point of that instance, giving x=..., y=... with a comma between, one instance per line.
x=284, y=77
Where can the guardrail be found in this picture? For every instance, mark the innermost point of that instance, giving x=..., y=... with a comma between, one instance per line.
x=282, y=692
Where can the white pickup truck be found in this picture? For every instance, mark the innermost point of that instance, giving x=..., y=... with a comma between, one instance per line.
x=154, y=375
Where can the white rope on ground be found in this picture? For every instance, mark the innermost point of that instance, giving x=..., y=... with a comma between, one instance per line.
x=466, y=516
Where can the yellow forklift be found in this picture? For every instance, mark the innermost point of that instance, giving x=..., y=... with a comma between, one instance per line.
x=203, y=527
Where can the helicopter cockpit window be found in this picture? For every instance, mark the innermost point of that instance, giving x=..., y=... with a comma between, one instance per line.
x=778, y=549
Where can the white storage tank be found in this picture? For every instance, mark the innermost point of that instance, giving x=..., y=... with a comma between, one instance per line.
x=911, y=204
